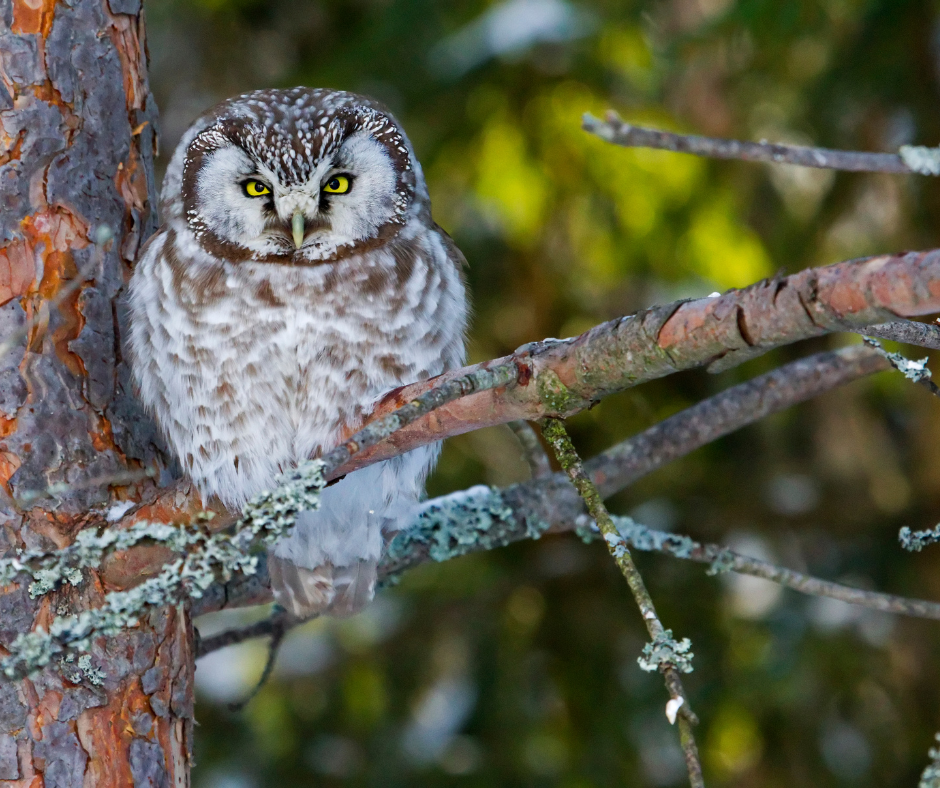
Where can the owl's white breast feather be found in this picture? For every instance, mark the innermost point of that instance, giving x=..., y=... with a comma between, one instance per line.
x=272, y=363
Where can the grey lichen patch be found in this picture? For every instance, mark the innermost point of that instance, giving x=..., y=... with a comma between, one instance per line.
x=723, y=562
x=664, y=652
x=204, y=559
x=643, y=538
x=617, y=545
x=454, y=525
x=915, y=541
x=921, y=159
x=49, y=569
x=586, y=529
x=85, y=670
x=915, y=371
x=930, y=778
x=89, y=671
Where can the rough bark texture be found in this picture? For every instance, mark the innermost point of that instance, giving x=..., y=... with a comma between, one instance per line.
x=77, y=141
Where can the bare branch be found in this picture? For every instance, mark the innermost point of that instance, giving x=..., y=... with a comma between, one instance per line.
x=614, y=129
x=232, y=637
x=281, y=622
x=909, y=332
x=722, y=414
x=532, y=449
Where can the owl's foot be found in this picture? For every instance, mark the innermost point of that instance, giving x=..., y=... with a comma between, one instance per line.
x=325, y=590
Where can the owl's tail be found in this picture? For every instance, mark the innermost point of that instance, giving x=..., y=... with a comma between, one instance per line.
x=329, y=562
x=327, y=589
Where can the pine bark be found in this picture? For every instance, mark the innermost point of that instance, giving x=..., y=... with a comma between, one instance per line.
x=77, y=144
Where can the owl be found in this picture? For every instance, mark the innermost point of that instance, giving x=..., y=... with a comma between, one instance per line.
x=296, y=278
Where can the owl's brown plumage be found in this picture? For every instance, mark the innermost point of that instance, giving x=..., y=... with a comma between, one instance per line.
x=273, y=308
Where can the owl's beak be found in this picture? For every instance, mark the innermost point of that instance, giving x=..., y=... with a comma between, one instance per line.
x=297, y=228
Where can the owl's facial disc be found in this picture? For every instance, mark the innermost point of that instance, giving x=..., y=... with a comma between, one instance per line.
x=297, y=187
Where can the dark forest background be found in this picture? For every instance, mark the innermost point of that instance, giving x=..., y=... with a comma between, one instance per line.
x=518, y=667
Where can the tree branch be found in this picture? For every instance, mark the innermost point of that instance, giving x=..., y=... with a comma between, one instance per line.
x=722, y=559
x=527, y=510
x=722, y=414
x=907, y=331
x=561, y=377
x=910, y=160
x=532, y=449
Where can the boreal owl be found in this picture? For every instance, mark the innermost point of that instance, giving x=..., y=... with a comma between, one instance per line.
x=297, y=276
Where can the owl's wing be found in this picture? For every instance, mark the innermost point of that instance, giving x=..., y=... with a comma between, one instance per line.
x=454, y=255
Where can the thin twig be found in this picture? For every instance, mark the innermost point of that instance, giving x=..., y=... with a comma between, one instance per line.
x=532, y=449
x=281, y=623
x=557, y=436
x=721, y=559
x=614, y=129
x=236, y=635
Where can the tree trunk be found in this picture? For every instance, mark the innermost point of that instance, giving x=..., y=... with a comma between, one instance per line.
x=78, y=137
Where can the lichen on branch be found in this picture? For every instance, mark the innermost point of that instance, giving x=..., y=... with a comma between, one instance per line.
x=205, y=558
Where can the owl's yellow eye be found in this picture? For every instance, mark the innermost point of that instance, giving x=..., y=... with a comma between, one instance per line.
x=338, y=184
x=256, y=189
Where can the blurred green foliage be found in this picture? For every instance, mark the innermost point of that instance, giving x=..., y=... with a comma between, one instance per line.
x=518, y=667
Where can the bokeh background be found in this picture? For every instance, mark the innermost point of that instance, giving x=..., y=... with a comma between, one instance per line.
x=518, y=667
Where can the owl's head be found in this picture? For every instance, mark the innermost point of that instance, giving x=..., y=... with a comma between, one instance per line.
x=293, y=176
